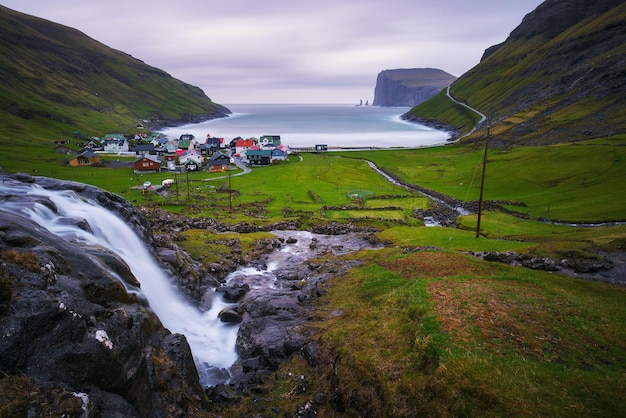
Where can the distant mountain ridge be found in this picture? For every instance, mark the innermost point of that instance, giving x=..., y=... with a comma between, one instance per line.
x=57, y=77
x=409, y=86
x=559, y=77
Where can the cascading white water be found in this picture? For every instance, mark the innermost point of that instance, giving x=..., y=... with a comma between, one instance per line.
x=212, y=342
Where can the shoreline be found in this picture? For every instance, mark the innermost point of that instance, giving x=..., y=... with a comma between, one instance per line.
x=305, y=126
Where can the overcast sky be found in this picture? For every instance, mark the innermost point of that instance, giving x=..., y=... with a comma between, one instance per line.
x=290, y=51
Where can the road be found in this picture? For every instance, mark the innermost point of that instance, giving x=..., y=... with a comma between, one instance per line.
x=239, y=164
x=483, y=117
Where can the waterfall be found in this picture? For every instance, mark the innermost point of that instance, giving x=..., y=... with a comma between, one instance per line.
x=212, y=342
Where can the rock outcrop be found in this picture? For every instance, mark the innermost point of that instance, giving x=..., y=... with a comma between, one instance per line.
x=409, y=87
x=76, y=341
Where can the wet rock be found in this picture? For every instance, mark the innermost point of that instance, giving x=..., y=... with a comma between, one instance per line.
x=437, y=214
x=230, y=315
x=72, y=328
x=579, y=265
x=192, y=278
x=251, y=364
x=334, y=228
x=233, y=293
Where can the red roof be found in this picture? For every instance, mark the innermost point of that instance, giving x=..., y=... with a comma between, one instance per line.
x=244, y=143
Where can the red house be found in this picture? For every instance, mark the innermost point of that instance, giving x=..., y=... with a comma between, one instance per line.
x=147, y=163
x=243, y=145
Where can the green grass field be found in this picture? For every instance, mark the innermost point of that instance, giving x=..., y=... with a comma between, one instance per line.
x=573, y=182
x=580, y=182
x=421, y=327
x=440, y=333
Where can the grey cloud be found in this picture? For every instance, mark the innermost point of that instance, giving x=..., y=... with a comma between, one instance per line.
x=287, y=50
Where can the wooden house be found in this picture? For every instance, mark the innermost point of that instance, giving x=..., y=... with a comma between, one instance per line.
x=64, y=149
x=260, y=157
x=87, y=157
x=192, y=155
x=243, y=145
x=191, y=165
x=218, y=162
x=270, y=140
x=143, y=149
x=185, y=144
x=233, y=143
x=279, y=153
x=169, y=147
x=212, y=144
x=147, y=164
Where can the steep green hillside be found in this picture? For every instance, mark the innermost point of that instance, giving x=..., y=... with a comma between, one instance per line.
x=56, y=80
x=559, y=77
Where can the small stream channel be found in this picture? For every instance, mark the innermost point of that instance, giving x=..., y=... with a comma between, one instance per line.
x=278, y=277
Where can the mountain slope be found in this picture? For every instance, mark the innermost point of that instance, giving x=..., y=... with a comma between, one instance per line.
x=55, y=77
x=409, y=86
x=559, y=77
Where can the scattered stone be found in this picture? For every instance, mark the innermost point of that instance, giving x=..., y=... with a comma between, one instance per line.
x=230, y=315
x=233, y=293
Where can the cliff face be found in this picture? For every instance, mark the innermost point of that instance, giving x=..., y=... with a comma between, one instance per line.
x=409, y=87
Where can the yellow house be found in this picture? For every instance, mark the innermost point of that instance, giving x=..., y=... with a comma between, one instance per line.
x=84, y=158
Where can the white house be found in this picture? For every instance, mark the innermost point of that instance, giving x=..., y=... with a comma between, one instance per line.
x=190, y=156
x=114, y=143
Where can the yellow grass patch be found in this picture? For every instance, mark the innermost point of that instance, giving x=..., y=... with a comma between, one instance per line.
x=506, y=316
x=434, y=264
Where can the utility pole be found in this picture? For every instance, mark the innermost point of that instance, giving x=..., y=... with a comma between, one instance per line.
x=482, y=180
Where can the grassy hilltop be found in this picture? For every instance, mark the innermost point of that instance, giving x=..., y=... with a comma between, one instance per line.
x=559, y=77
x=57, y=81
x=421, y=327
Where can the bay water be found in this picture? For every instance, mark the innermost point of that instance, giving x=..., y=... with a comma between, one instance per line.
x=304, y=126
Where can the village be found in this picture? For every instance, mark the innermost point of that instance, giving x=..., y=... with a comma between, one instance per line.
x=187, y=153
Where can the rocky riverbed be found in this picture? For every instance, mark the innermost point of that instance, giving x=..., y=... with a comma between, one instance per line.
x=274, y=300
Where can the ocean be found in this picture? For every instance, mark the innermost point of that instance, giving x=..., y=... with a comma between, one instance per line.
x=337, y=126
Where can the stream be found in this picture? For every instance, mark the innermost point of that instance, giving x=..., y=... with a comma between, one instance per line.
x=274, y=278
x=80, y=220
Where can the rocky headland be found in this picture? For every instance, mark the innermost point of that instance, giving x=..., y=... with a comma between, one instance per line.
x=409, y=87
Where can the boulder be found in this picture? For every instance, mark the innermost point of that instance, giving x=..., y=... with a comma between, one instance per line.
x=230, y=315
